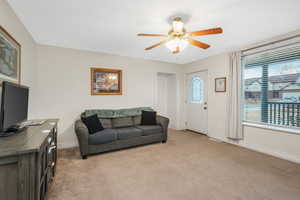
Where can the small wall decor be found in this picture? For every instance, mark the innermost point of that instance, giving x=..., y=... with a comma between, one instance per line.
x=10, y=57
x=106, y=81
x=220, y=84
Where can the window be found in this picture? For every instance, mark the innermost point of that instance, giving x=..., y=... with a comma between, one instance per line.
x=271, y=84
x=196, y=93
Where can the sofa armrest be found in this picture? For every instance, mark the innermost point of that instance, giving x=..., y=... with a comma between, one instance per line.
x=82, y=133
x=164, y=123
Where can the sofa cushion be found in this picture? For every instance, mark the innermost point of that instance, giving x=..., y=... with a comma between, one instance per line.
x=129, y=132
x=122, y=122
x=150, y=130
x=92, y=123
x=102, y=137
x=137, y=120
x=106, y=122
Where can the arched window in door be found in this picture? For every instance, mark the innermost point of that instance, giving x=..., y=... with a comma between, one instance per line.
x=196, y=91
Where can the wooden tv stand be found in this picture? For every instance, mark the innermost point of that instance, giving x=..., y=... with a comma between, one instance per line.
x=28, y=162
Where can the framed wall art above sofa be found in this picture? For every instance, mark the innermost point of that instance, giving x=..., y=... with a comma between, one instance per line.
x=106, y=81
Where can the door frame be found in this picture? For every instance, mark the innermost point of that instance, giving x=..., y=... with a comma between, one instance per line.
x=185, y=89
x=178, y=85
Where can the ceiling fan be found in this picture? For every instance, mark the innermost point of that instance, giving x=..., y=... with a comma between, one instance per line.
x=177, y=38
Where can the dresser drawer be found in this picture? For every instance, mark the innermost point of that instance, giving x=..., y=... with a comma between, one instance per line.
x=47, y=159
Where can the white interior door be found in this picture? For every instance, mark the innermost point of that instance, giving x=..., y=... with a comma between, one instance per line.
x=196, y=102
x=162, y=91
x=166, y=99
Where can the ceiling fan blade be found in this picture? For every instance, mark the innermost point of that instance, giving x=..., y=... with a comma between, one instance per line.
x=198, y=44
x=206, y=32
x=152, y=35
x=157, y=44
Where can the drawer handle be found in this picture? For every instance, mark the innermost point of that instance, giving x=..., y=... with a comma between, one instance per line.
x=52, y=164
x=51, y=149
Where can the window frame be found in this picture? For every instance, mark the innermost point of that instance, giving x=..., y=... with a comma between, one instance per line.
x=250, y=123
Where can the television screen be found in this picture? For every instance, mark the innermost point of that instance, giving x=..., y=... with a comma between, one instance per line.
x=14, y=105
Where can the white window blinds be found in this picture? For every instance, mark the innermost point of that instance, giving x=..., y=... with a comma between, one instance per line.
x=279, y=54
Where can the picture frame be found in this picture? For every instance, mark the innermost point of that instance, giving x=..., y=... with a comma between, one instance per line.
x=105, y=81
x=220, y=84
x=10, y=58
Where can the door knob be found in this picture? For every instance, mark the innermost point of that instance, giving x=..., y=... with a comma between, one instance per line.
x=205, y=108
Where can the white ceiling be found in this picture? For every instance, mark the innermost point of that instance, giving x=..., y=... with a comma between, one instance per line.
x=111, y=25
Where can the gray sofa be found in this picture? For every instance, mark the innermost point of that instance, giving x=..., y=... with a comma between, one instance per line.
x=122, y=129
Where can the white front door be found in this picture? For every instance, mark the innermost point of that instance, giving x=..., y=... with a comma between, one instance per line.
x=196, y=102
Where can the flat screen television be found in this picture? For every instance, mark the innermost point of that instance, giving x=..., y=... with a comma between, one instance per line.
x=14, y=107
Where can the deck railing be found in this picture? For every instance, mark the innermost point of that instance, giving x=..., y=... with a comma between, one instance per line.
x=287, y=114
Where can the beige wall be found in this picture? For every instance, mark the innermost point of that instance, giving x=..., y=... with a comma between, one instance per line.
x=10, y=22
x=64, y=85
x=277, y=143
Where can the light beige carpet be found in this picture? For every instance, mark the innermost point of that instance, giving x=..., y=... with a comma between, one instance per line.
x=188, y=167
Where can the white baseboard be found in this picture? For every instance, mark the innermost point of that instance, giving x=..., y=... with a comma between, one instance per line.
x=215, y=139
x=280, y=155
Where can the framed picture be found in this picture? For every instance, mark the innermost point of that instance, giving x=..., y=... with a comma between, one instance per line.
x=220, y=84
x=10, y=57
x=106, y=81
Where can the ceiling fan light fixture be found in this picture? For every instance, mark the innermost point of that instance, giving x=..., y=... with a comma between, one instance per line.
x=177, y=45
x=177, y=25
x=178, y=38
